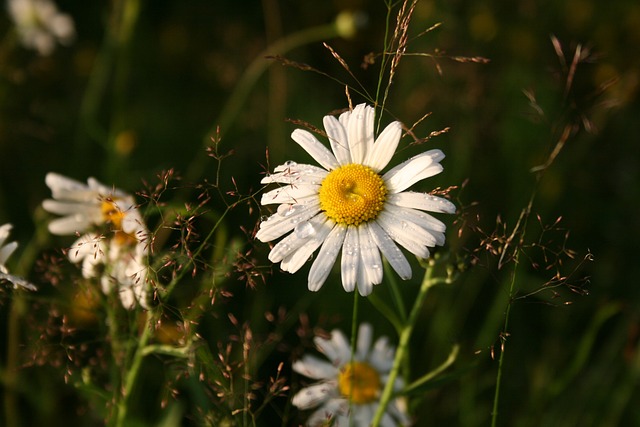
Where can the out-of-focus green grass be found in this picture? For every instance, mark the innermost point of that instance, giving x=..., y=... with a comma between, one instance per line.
x=565, y=364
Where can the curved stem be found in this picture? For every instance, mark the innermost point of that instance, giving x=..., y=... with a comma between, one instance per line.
x=403, y=347
x=134, y=370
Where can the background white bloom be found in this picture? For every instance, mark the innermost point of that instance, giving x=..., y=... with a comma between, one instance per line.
x=348, y=207
x=87, y=205
x=40, y=25
x=115, y=245
x=360, y=379
x=5, y=253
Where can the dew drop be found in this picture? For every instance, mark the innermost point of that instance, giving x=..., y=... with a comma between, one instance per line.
x=290, y=163
x=264, y=218
x=284, y=209
x=304, y=230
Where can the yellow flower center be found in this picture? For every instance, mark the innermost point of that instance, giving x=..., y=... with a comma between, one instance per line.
x=359, y=382
x=352, y=194
x=112, y=214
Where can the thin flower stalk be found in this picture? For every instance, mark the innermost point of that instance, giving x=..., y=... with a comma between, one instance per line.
x=403, y=346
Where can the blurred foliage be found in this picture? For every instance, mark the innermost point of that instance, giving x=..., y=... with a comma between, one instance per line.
x=141, y=94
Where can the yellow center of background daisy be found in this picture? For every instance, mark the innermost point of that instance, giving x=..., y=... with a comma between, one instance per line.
x=352, y=194
x=111, y=213
x=359, y=382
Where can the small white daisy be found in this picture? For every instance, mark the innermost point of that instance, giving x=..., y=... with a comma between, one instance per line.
x=349, y=207
x=360, y=378
x=5, y=253
x=40, y=25
x=117, y=263
x=114, y=246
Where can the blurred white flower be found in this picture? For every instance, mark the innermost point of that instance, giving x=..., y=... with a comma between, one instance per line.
x=114, y=246
x=40, y=25
x=5, y=253
x=349, y=207
x=359, y=378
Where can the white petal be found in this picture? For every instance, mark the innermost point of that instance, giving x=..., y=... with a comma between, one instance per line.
x=67, y=188
x=319, y=152
x=293, y=261
x=6, y=251
x=390, y=250
x=414, y=226
x=296, y=240
x=370, y=261
x=363, y=414
x=350, y=259
x=397, y=409
x=337, y=348
x=133, y=224
x=422, y=201
x=127, y=297
x=292, y=194
x=106, y=191
x=312, y=396
x=384, y=147
x=344, y=119
x=360, y=132
x=382, y=355
x=422, y=219
x=5, y=229
x=338, y=138
x=333, y=412
x=62, y=208
x=293, y=173
x=326, y=257
x=403, y=235
x=313, y=367
x=69, y=225
x=387, y=421
x=413, y=170
x=107, y=283
x=18, y=281
x=365, y=332
x=88, y=245
x=279, y=224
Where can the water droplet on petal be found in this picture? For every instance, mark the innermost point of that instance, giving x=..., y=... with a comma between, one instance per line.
x=304, y=230
x=284, y=209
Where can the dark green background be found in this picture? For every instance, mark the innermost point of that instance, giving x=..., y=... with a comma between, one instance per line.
x=565, y=365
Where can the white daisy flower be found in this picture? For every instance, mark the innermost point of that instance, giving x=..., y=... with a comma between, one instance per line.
x=115, y=244
x=119, y=266
x=5, y=253
x=359, y=379
x=40, y=25
x=347, y=206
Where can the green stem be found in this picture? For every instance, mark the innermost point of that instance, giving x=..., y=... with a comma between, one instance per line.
x=134, y=370
x=427, y=282
x=521, y=224
x=496, y=396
